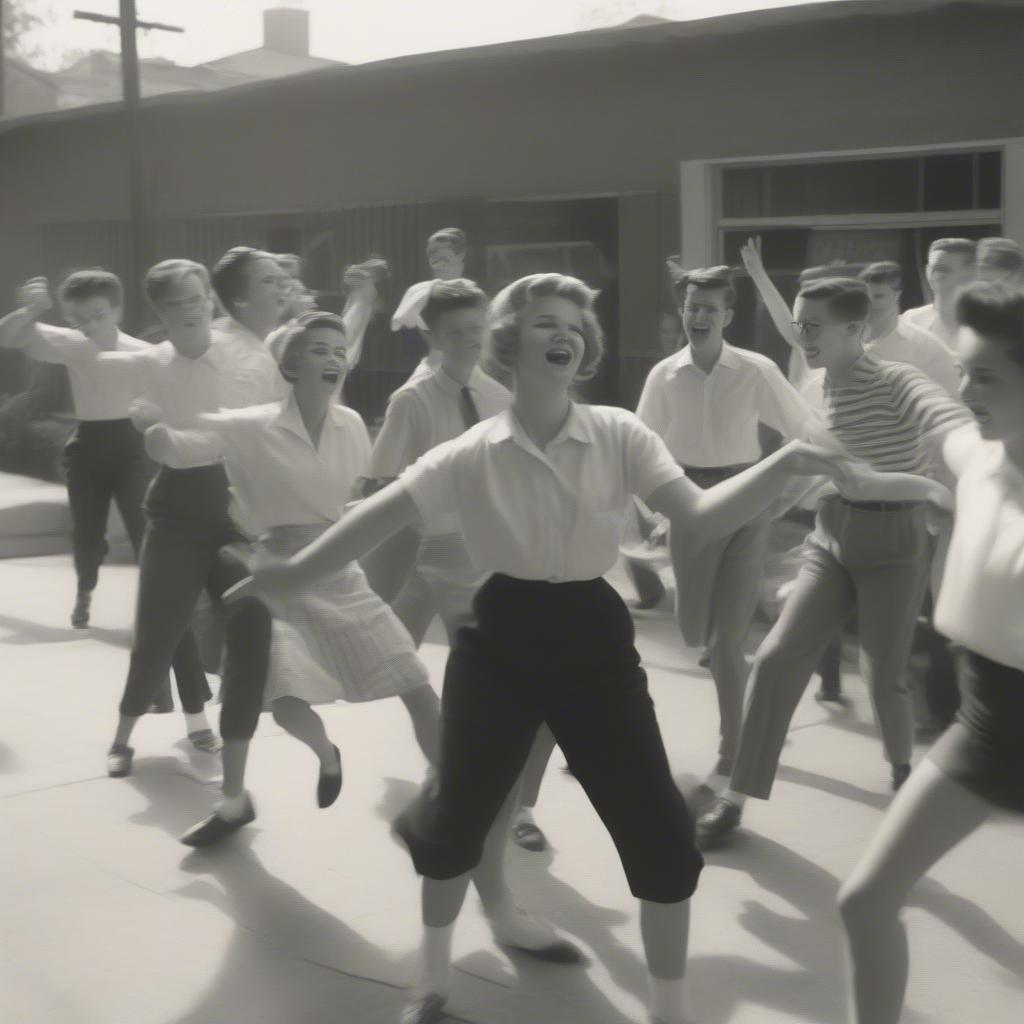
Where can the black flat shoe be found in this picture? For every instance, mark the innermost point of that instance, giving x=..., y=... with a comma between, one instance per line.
x=700, y=799
x=80, y=613
x=213, y=828
x=119, y=761
x=717, y=824
x=329, y=784
x=900, y=774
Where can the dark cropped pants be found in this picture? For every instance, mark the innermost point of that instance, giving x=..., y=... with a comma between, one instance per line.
x=188, y=524
x=560, y=653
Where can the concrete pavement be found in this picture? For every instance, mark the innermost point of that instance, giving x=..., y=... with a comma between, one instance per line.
x=311, y=916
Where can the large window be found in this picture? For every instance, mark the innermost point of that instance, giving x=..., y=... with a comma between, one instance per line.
x=846, y=214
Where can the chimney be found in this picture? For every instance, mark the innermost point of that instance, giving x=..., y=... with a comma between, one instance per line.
x=286, y=30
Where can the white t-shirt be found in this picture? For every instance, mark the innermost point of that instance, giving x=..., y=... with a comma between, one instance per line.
x=555, y=515
x=981, y=602
x=927, y=317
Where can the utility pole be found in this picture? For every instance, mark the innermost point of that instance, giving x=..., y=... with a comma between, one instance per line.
x=140, y=231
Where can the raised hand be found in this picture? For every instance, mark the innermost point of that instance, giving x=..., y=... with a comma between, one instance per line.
x=34, y=295
x=675, y=269
x=750, y=253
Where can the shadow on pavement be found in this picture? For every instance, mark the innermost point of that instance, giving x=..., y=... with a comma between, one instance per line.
x=538, y=891
x=281, y=963
x=834, y=787
x=24, y=631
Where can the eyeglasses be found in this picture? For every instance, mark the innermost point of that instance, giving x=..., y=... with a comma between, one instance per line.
x=806, y=329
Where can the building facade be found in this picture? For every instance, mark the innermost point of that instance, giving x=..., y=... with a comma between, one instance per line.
x=849, y=131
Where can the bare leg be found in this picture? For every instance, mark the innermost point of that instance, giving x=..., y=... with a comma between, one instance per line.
x=665, y=929
x=298, y=719
x=928, y=817
x=125, y=725
x=425, y=711
x=233, y=758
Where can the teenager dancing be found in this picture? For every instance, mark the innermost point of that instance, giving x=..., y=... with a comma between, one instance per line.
x=541, y=493
x=978, y=763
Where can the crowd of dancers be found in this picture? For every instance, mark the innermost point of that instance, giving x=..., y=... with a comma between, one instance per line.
x=494, y=499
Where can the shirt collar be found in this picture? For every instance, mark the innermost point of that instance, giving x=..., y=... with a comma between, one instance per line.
x=866, y=365
x=577, y=427
x=450, y=386
x=290, y=418
x=684, y=358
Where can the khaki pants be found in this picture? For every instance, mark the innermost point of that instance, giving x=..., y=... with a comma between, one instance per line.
x=872, y=560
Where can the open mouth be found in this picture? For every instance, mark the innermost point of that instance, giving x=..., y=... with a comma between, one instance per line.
x=330, y=376
x=559, y=356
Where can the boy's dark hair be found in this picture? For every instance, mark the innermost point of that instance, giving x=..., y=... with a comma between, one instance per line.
x=91, y=284
x=884, y=272
x=846, y=297
x=712, y=279
x=1003, y=253
x=446, y=296
x=228, y=275
x=994, y=310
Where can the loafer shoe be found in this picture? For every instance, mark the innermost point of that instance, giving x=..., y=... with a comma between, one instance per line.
x=717, y=823
x=119, y=761
x=213, y=828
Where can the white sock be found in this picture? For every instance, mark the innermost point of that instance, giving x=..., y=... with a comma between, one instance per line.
x=668, y=1002
x=736, y=799
x=196, y=722
x=436, y=960
x=232, y=807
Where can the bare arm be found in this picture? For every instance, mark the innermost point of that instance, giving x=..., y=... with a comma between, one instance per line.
x=867, y=484
x=725, y=508
x=358, y=311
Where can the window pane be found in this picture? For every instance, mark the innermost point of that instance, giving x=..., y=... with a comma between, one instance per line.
x=743, y=192
x=990, y=180
x=856, y=186
x=949, y=182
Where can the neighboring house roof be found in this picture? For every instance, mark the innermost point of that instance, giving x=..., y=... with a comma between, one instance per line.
x=27, y=91
x=266, y=63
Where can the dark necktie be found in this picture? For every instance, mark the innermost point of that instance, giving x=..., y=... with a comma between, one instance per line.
x=470, y=416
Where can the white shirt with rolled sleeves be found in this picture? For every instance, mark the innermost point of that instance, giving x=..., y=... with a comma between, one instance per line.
x=426, y=412
x=556, y=515
x=99, y=391
x=225, y=376
x=982, y=593
x=710, y=419
x=278, y=476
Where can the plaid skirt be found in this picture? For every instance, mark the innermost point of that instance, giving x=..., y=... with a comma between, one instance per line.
x=339, y=640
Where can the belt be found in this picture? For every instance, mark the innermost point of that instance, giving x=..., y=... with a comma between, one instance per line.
x=882, y=506
x=707, y=476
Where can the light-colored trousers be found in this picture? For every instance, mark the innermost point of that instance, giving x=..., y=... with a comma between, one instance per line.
x=876, y=563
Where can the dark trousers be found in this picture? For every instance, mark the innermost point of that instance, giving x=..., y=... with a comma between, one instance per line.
x=188, y=524
x=104, y=460
x=560, y=653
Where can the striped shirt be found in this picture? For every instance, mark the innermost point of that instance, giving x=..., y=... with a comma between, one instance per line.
x=890, y=415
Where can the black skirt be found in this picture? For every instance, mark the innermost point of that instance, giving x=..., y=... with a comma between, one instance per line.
x=984, y=747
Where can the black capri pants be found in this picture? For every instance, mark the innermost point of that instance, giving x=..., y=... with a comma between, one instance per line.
x=189, y=521
x=560, y=653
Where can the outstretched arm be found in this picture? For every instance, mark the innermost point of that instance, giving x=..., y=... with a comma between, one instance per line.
x=725, y=508
x=368, y=524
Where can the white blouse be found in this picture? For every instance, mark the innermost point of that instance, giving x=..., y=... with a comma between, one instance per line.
x=981, y=601
x=555, y=515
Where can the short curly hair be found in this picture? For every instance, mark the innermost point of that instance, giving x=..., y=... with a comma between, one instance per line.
x=504, y=313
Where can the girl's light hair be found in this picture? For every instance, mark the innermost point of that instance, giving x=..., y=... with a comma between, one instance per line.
x=168, y=274
x=506, y=308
